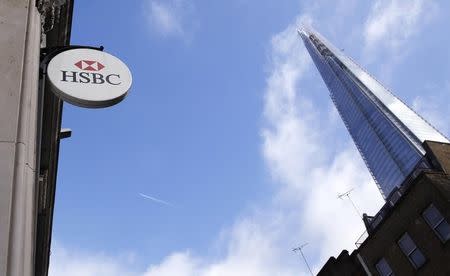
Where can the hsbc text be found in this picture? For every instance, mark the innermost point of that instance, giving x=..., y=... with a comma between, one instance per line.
x=85, y=77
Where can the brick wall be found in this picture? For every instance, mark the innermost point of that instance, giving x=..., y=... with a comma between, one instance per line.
x=430, y=187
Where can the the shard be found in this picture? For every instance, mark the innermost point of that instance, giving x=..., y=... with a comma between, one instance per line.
x=387, y=133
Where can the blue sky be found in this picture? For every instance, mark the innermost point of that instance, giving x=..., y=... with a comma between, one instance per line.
x=229, y=123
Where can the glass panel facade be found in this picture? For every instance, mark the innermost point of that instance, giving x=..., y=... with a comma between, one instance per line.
x=387, y=133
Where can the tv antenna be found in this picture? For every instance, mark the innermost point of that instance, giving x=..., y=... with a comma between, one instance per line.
x=303, y=256
x=347, y=194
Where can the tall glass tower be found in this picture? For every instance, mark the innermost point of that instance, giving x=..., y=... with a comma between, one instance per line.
x=387, y=133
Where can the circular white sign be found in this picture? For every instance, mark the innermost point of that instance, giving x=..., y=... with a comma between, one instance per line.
x=89, y=78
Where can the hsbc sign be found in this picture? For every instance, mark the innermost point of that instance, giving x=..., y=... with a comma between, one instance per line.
x=89, y=77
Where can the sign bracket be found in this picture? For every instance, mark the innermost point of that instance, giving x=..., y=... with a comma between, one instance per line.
x=48, y=53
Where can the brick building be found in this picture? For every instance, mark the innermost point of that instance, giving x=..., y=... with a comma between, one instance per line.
x=413, y=236
x=344, y=264
x=410, y=234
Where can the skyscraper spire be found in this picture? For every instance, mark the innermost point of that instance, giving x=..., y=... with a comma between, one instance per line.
x=387, y=133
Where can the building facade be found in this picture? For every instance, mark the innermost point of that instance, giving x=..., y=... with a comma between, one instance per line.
x=412, y=234
x=30, y=123
x=387, y=133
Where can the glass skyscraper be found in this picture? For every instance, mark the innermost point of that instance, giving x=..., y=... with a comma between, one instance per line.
x=387, y=133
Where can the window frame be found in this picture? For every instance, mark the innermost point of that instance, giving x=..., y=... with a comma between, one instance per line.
x=434, y=227
x=376, y=267
x=408, y=255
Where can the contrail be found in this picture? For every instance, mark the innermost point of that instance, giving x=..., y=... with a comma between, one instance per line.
x=160, y=201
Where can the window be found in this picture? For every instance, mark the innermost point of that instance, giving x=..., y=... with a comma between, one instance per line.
x=437, y=222
x=410, y=249
x=383, y=268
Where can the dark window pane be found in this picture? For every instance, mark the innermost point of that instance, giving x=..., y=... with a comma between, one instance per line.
x=406, y=244
x=443, y=230
x=383, y=268
x=417, y=258
x=432, y=216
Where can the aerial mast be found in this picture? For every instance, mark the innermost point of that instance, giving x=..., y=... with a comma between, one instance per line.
x=299, y=249
x=347, y=194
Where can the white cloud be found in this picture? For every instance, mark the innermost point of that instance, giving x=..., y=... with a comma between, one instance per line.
x=286, y=157
x=392, y=22
x=180, y=264
x=305, y=208
x=171, y=18
x=434, y=106
x=74, y=263
x=309, y=173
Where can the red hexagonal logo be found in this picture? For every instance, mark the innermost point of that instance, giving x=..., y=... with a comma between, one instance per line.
x=89, y=65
